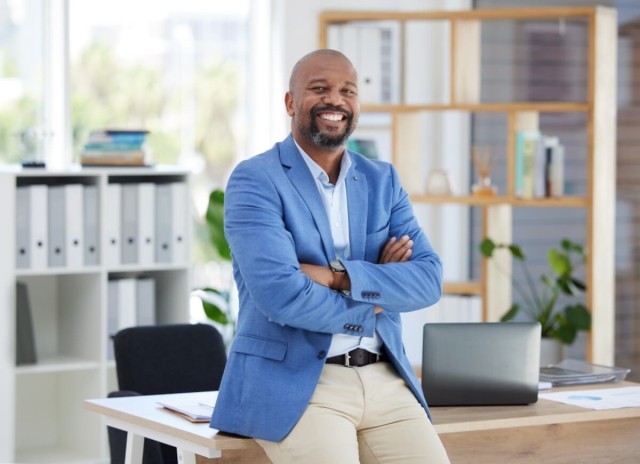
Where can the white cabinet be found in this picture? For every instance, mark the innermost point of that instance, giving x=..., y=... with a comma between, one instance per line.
x=42, y=418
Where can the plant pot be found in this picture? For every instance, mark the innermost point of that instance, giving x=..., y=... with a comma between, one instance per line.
x=551, y=351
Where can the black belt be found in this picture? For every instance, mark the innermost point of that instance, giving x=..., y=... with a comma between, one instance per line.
x=356, y=358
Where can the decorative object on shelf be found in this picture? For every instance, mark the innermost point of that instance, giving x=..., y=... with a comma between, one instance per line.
x=216, y=302
x=116, y=147
x=31, y=142
x=482, y=163
x=539, y=304
x=439, y=183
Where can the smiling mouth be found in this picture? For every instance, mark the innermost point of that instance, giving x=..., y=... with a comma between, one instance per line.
x=332, y=117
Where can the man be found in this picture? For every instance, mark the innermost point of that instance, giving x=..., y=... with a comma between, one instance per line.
x=326, y=255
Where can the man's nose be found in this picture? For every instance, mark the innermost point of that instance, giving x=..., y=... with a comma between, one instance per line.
x=332, y=97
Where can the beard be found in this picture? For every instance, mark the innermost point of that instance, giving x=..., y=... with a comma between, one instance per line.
x=326, y=140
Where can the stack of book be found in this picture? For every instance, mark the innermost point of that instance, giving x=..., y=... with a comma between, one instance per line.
x=116, y=147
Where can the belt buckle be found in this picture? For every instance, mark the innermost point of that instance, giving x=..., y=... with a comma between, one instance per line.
x=347, y=357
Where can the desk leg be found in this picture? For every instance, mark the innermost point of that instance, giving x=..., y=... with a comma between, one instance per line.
x=135, y=447
x=186, y=457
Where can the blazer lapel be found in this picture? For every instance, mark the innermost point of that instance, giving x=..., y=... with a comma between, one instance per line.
x=303, y=182
x=357, y=193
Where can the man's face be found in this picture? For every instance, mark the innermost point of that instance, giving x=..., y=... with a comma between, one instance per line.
x=323, y=101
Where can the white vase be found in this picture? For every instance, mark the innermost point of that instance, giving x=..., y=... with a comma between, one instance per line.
x=551, y=351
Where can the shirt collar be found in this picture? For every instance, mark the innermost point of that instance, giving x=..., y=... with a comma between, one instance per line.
x=318, y=173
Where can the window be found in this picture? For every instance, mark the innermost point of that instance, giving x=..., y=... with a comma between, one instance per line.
x=22, y=131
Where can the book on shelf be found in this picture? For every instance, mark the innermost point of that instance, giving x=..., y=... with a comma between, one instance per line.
x=539, y=165
x=25, y=340
x=116, y=147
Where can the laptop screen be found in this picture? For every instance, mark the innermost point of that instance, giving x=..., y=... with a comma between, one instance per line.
x=465, y=364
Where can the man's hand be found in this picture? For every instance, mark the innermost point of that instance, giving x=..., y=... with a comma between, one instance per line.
x=396, y=250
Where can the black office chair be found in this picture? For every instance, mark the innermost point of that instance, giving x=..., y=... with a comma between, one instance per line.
x=151, y=360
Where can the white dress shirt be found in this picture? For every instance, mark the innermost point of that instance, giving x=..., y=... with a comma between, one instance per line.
x=334, y=198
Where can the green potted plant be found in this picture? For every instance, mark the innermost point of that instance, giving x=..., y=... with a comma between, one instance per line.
x=216, y=302
x=539, y=300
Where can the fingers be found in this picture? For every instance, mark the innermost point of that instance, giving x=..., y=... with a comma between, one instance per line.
x=396, y=250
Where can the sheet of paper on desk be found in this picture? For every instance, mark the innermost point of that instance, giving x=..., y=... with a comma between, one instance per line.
x=192, y=411
x=602, y=398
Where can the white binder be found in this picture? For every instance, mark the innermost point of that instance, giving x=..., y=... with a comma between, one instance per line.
x=91, y=224
x=112, y=226
x=127, y=314
x=164, y=223
x=23, y=228
x=129, y=230
x=146, y=300
x=74, y=225
x=180, y=222
x=146, y=222
x=57, y=223
x=112, y=315
x=39, y=225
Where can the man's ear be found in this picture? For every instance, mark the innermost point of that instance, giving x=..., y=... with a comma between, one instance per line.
x=288, y=103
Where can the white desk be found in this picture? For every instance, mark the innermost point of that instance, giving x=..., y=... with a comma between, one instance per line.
x=546, y=432
x=142, y=417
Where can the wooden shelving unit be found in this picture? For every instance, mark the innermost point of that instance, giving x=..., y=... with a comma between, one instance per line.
x=598, y=108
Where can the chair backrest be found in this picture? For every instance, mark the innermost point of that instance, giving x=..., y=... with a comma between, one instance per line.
x=174, y=358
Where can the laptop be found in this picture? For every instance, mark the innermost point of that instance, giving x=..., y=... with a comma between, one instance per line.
x=480, y=363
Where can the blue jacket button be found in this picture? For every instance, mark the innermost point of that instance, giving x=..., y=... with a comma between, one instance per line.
x=322, y=354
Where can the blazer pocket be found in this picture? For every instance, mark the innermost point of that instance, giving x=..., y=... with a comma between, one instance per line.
x=259, y=346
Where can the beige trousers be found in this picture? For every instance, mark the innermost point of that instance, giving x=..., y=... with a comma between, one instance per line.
x=360, y=415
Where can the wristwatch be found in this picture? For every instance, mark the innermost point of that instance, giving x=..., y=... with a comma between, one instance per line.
x=336, y=266
x=339, y=272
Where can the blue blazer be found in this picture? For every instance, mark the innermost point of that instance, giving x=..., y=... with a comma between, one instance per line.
x=274, y=220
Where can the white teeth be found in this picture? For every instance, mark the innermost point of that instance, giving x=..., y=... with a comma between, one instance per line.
x=331, y=117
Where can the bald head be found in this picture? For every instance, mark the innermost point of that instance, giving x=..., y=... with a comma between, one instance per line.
x=323, y=101
x=319, y=54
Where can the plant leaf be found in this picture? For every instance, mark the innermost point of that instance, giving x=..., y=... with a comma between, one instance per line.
x=579, y=284
x=215, y=224
x=215, y=313
x=486, y=247
x=559, y=262
x=578, y=316
x=510, y=314
x=517, y=252
x=565, y=334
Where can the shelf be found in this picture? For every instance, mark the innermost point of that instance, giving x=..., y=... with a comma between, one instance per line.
x=462, y=288
x=517, y=107
x=564, y=202
x=56, y=364
x=422, y=124
x=58, y=271
x=480, y=14
x=43, y=419
x=49, y=455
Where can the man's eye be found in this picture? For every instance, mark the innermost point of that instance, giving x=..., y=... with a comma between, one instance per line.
x=349, y=92
x=319, y=89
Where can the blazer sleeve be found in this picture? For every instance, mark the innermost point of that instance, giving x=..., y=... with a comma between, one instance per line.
x=401, y=287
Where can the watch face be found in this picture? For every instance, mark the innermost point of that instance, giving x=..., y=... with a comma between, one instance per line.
x=336, y=266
